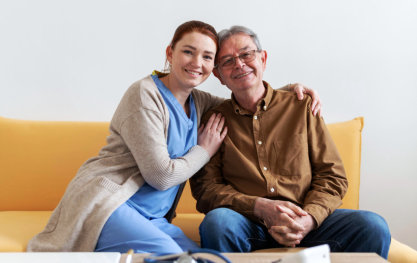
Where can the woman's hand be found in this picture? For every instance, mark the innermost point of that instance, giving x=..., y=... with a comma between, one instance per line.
x=211, y=136
x=300, y=89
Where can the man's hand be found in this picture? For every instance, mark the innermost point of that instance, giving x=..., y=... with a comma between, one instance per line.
x=300, y=90
x=280, y=217
x=291, y=237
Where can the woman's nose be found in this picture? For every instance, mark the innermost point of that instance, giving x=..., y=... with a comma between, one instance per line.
x=197, y=61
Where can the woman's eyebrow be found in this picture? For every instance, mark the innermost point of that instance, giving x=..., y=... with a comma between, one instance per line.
x=189, y=46
x=193, y=48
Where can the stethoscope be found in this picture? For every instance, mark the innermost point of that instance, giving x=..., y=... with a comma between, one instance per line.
x=191, y=256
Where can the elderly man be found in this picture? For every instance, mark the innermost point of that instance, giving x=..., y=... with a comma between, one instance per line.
x=277, y=180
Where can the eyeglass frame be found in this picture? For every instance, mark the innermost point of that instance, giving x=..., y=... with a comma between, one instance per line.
x=233, y=58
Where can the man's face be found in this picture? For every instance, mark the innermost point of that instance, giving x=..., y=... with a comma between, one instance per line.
x=241, y=75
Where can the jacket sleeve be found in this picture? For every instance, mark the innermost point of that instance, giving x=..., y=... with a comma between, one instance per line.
x=329, y=183
x=211, y=190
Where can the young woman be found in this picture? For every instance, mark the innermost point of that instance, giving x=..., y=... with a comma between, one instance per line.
x=119, y=199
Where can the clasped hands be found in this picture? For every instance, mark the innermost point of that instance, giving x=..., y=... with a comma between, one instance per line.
x=287, y=223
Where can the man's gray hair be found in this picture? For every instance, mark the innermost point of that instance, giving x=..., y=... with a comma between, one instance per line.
x=227, y=33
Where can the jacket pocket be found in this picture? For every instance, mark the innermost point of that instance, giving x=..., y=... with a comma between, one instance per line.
x=291, y=156
x=108, y=184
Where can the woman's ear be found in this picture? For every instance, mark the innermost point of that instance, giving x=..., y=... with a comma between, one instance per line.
x=168, y=53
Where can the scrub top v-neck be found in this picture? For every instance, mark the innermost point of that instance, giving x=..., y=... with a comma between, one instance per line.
x=182, y=135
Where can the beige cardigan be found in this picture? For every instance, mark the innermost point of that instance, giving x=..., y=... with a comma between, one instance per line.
x=136, y=151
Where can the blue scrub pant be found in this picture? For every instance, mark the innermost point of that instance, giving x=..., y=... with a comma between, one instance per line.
x=344, y=231
x=127, y=229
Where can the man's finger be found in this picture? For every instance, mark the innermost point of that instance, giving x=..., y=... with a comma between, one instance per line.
x=282, y=240
x=298, y=210
x=286, y=210
x=296, y=227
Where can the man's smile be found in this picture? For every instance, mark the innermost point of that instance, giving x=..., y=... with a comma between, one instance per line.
x=241, y=75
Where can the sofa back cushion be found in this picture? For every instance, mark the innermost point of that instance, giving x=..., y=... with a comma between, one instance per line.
x=348, y=139
x=39, y=158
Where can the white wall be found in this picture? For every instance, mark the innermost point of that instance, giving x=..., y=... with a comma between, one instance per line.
x=72, y=60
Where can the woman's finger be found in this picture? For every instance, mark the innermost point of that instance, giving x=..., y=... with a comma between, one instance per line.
x=299, y=90
x=220, y=125
x=200, y=130
x=223, y=134
x=215, y=123
x=210, y=121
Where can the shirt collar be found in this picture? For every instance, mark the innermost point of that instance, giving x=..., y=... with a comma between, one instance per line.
x=263, y=104
x=159, y=74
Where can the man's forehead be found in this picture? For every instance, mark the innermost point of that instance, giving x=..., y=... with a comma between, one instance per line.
x=237, y=43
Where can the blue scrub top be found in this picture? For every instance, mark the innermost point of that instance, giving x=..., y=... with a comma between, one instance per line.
x=182, y=135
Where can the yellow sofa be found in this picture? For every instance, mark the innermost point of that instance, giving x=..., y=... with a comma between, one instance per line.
x=39, y=158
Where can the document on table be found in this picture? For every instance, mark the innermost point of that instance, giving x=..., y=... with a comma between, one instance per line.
x=60, y=257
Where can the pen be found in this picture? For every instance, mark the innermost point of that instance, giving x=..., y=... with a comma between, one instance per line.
x=129, y=256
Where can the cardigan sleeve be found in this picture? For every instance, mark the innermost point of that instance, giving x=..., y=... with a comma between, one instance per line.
x=143, y=133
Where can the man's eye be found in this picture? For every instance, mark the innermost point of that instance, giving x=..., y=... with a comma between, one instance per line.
x=244, y=55
x=227, y=62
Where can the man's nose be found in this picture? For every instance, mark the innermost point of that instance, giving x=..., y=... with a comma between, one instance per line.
x=239, y=63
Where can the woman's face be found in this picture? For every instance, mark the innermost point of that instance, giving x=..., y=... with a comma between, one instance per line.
x=192, y=59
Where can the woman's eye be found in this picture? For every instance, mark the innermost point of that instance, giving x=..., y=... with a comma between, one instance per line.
x=189, y=52
x=208, y=58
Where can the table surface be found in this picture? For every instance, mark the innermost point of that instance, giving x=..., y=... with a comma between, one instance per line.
x=269, y=257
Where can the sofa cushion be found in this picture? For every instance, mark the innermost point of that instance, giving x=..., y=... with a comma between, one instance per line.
x=18, y=227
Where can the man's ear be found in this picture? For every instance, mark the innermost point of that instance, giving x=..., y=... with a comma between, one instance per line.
x=168, y=53
x=264, y=56
x=217, y=74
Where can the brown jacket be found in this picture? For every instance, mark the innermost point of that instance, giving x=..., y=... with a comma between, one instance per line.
x=281, y=152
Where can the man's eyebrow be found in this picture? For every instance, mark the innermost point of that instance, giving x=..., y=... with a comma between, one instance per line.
x=244, y=48
x=240, y=50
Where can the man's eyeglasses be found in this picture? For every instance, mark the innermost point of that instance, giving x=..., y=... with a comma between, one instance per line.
x=246, y=57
